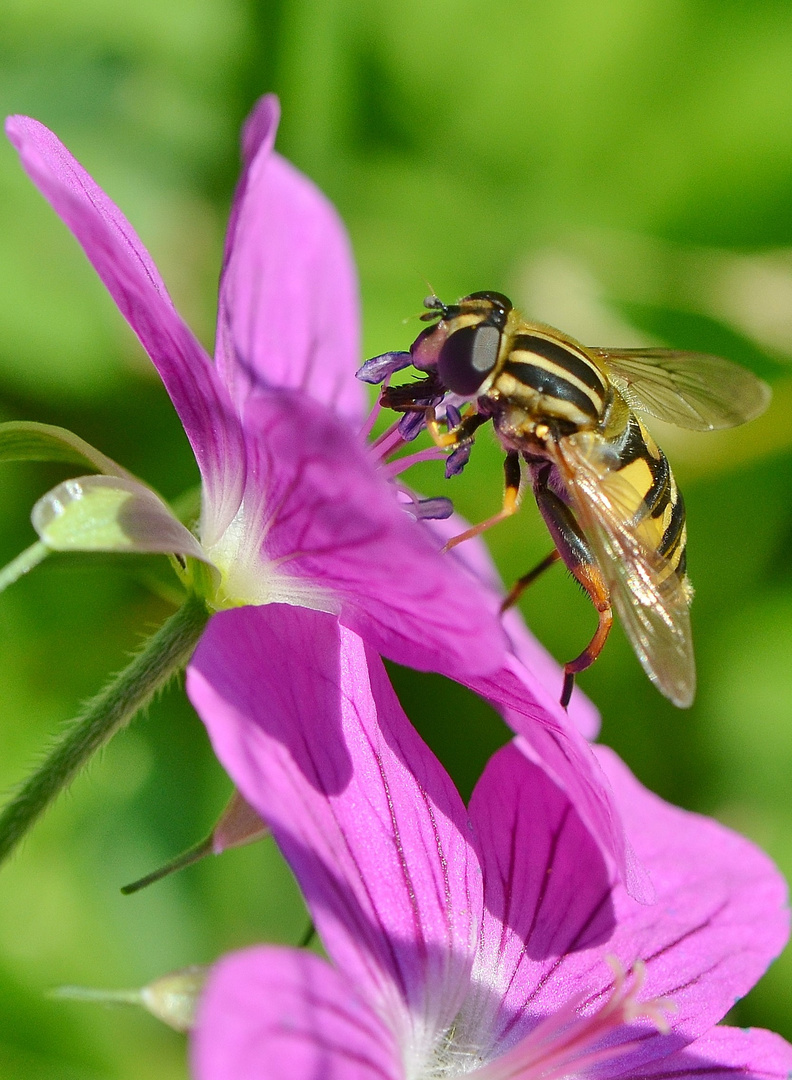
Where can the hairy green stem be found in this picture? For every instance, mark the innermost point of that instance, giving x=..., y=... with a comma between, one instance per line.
x=164, y=654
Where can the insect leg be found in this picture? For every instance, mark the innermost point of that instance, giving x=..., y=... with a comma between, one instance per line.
x=521, y=584
x=594, y=647
x=573, y=548
x=464, y=430
x=511, y=500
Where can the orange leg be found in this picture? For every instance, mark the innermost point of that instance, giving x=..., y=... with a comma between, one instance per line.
x=443, y=439
x=464, y=430
x=511, y=501
x=579, y=559
x=589, y=576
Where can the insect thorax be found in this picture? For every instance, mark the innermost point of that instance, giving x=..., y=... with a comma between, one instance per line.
x=542, y=379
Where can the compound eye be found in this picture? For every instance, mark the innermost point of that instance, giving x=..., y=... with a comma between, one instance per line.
x=467, y=357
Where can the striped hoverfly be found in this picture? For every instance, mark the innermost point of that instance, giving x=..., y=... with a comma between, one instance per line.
x=605, y=489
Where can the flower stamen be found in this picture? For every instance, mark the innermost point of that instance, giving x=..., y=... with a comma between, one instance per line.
x=400, y=465
x=371, y=419
x=388, y=442
x=566, y=1042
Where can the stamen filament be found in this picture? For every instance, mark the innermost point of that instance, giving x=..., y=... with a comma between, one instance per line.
x=388, y=442
x=371, y=419
x=394, y=468
x=565, y=1042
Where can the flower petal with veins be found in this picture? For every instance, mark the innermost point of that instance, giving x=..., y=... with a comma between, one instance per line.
x=133, y=281
x=519, y=982
x=474, y=557
x=347, y=800
x=724, y=1053
x=317, y=511
x=289, y=1014
x=288, y=313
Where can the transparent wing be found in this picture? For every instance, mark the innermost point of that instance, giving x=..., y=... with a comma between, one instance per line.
x=649, y=597
x=691, y=390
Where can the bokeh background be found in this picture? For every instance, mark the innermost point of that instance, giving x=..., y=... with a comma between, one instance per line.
x=622, y=170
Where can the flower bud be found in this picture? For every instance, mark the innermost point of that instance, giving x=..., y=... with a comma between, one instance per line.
x=172, y=998
x=239, y=824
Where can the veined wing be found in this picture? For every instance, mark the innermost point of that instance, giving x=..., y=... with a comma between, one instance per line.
x=691, y=390
x=646, y=591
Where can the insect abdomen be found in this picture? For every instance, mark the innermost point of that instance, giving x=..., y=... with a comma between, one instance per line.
x=660, y=509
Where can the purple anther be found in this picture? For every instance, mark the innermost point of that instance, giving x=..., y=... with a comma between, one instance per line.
x=411, y=425
x=453, y=415
x=436, y=509
x=458, y=459
x=378, y=368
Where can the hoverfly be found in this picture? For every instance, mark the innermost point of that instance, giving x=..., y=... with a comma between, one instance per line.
x=603, y=486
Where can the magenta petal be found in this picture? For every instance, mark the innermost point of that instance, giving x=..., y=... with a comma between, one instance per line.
x=724, y=1053
x=258, y=137
x=288, y=311
x=723, y=903
x=548, y=738
x=547, y=892
x=331, y=519
x=540, y=667
x=719, y=917
x=132, y=279
x=303, y=718
x=544, y=668
x=269, y=1013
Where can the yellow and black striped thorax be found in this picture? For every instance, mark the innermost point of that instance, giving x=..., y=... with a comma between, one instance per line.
x=658, y=516
x=551, y=378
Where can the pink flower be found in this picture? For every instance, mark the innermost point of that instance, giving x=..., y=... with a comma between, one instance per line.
x=490, y=942
x=297, y=512
x=293, y=508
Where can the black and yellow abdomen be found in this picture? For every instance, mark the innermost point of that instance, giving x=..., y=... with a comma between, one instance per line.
x=643, y=486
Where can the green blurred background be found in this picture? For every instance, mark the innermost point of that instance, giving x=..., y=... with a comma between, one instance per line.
x=623, y=170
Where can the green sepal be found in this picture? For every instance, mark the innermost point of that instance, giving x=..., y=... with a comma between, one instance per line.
x=110, y=513
x=187, y=506
x=25, y=440
x=199, y=576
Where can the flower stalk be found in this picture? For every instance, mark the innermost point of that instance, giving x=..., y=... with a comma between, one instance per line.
x=23, y=564
x=164, y=654
x=239, y=824
x=172, y=998
x=186, y=858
